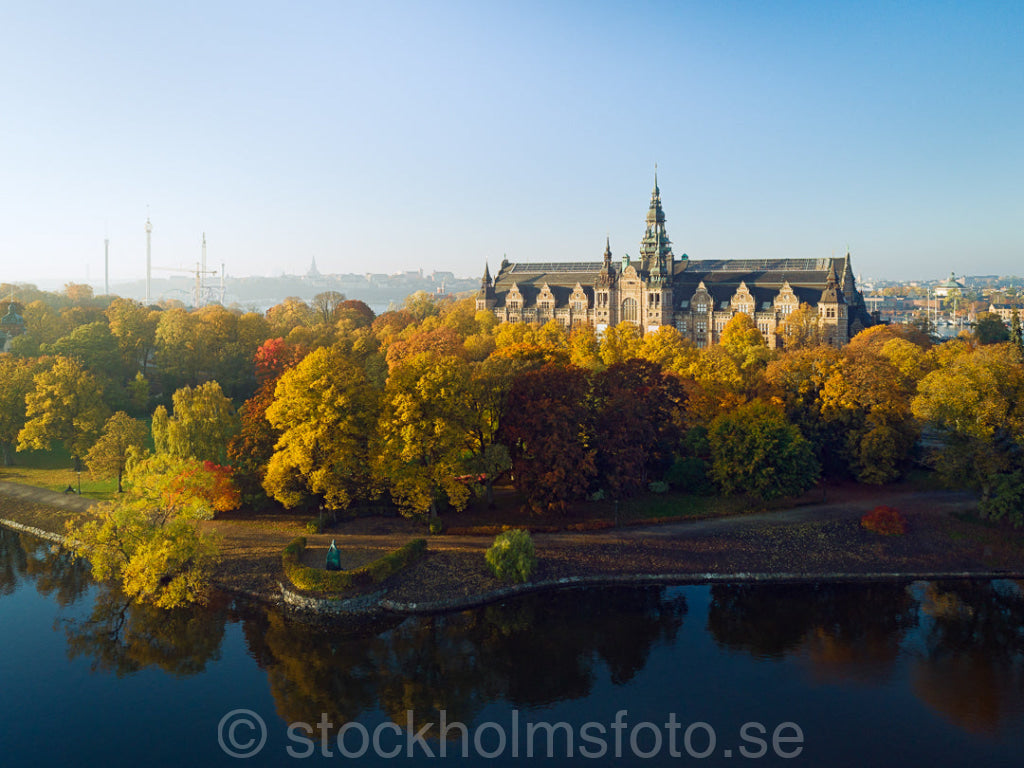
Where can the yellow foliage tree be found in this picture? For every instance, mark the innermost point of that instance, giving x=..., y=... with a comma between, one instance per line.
x=326, y=410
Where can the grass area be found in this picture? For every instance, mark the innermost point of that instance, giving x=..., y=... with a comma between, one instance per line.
x=678, y=505
x=52, y=470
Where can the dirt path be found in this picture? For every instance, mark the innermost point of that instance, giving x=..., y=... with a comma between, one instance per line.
x=815, y=538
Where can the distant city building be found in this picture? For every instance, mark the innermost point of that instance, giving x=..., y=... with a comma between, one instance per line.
x=1006, y=310
x=946, y=287
x=657, y=289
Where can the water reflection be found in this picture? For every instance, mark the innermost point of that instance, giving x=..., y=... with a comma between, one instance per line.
x=958, y=647
x=847, y=632
x=971, y=667
x=52, y=570
x=529, y=652
x=124, y=637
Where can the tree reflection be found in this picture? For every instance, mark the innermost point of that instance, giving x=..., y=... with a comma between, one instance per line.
x=312, y=669
x=849, y=632
x=12, y=560
x=530, y=651
x=972, y=668
x=52, y=569
x=122, y=636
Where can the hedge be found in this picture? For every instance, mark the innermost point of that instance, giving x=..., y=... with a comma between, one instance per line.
x=320, y=580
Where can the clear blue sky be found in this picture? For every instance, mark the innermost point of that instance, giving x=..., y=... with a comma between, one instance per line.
x=390, y=136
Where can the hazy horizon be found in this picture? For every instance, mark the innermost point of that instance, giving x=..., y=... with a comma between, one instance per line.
x=440, y=136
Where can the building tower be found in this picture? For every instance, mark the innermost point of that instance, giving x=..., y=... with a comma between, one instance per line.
x=832, y=311
x=485, y=298
x=149, y=261
x=657, y=264
x=656, y=257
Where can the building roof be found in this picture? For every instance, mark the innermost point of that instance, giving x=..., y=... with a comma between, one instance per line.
x=721, y=277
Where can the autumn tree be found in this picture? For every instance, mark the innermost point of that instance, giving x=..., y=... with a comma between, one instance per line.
x=274, y=356
x=326, y=411
x=585, y=348
x=756, y=451
x=17, y=375
x=290, y=314
x=975, y=404
x=134, y=326
x=202, y=424
x=422, y=432
x=620, y=343
x=488, y=386
x=325, y=304
x=801, y=328
x=796, y=379
x=667, y=347
x=66, y=404
x=109, y=455
x=637, y=425
x=547, y=429
x=148, y=540
x=867, y=399
x=249, y=451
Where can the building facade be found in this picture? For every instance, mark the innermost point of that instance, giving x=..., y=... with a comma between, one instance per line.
x=697, y=297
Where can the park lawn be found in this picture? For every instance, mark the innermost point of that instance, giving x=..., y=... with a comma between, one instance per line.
x=52, y=470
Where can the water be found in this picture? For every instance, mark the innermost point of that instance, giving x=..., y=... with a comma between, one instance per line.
x=873, y=674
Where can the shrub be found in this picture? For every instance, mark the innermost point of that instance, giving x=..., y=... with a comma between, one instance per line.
x=314, y=527
x=320, y=580
x=657, y=487
x=884, y=520
x=436, y=527
x=512, y=555
x=689, y=474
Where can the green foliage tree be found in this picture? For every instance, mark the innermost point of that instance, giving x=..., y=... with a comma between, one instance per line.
x=512, y=556
x=202, y=425
x=122, y=435
x=990, y=329
x=326, y=411
x=93, y=346
x=756, y=451
x=148, y=540
x=66, y=404
x=797, y=379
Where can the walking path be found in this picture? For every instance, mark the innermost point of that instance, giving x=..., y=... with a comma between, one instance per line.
x=818, y=540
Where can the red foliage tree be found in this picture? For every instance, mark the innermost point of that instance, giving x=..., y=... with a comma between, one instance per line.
x=274, y=356
x=546, y=425
x=252, y=447
x=637, y=424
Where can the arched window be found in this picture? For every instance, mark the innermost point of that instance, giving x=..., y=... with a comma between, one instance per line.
x=629, y=312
